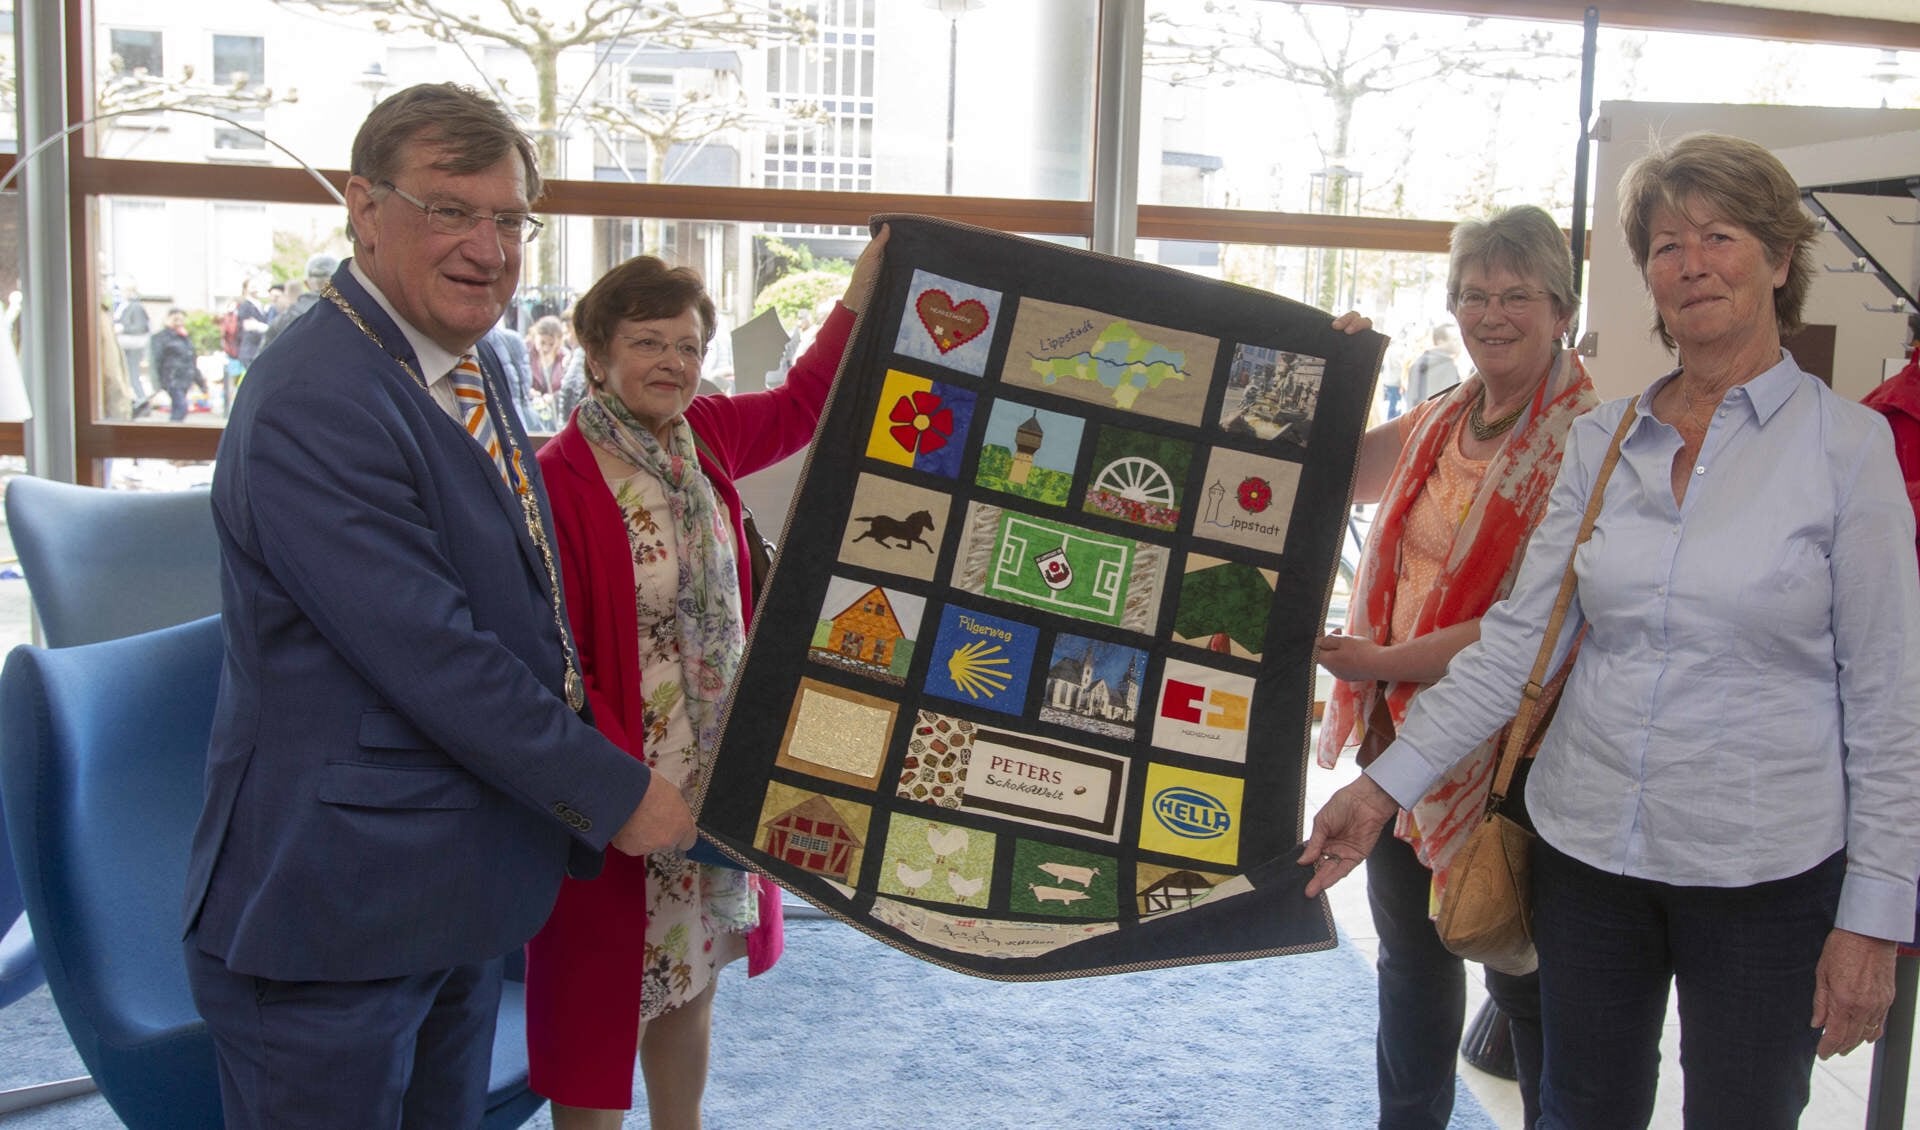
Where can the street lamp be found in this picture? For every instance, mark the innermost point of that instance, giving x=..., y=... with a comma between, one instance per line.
x=1888, y=73
x=373, y=80
x=953, y=10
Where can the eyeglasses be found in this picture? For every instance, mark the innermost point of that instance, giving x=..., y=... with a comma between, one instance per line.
x=653, y=348
x=1516, y=301
x=452, y=219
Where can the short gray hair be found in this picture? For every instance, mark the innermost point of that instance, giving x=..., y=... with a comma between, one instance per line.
x=1523, y=239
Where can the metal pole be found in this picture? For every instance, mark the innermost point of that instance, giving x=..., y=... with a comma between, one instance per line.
x=1116, y=126
x=1591, y=36
x=46, y=271
x=1892, y=1053
x=953, y=81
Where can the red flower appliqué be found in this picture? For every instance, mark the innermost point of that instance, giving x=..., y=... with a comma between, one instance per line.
x=1255, y=494
x=921, y=423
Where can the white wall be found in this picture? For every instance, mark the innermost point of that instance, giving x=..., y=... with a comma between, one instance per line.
x=1820, y=146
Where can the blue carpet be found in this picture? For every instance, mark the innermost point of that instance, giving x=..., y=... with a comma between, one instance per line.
x=848, y=1034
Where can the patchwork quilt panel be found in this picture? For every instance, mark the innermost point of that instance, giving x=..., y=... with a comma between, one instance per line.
x=1030, y=690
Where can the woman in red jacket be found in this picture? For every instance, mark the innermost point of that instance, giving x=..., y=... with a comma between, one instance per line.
x=653, y=559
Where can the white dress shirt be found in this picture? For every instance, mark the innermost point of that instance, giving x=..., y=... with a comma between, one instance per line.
x=435, y=362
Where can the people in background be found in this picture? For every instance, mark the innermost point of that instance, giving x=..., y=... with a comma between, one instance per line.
x=171, y=356
x=511, y=350
x=1434, y=370
x=547, y=359
x=252, y=322
x=320, y=269
x=654, y=556
x=284, y=296
x=1391, y=390
x=573, y=385
x=399, y=774
x=1728, y=799
x=116, y=395
x=133, y=328
x=1461, y=480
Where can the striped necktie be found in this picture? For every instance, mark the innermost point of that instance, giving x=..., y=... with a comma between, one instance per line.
x=470, y=393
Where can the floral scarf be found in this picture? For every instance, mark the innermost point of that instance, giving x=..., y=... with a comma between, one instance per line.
x=1479, y=571
x=708, y=620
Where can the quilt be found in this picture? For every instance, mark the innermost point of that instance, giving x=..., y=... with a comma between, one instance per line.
x=1029, y=691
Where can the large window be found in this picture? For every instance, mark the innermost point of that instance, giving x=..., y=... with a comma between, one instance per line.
x=240, y=63
x=757, y=149
x=824, y=93
x=1389, y=115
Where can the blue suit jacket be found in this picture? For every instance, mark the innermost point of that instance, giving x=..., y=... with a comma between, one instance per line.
x=395, y=783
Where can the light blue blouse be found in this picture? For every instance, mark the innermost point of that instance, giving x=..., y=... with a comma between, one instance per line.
x=1747, y=699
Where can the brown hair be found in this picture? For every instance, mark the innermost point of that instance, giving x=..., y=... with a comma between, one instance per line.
x=1742, y=182
x=642, y=288
x=471, y=131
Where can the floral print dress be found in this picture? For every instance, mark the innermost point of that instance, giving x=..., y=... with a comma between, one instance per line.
x=697, y=916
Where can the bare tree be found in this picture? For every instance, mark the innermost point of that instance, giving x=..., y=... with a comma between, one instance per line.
x=1346, y=55
x=546, y=32
x=132, y=89
x=709, y=105
x=128, y=90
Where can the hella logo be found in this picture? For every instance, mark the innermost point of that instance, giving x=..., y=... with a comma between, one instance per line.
x=1191, y=813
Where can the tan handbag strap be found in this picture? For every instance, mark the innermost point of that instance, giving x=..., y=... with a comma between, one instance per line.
x=1522, y=726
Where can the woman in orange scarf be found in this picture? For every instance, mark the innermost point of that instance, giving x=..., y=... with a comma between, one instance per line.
x=1461, y=480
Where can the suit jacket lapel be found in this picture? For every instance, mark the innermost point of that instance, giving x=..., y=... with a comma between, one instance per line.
x=395, y=343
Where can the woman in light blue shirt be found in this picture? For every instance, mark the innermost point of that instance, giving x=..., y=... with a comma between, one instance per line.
x=1728, y=799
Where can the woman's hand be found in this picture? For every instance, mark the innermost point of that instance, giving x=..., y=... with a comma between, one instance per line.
x=1852, y=990
x=865, y=269
x=1344, y=831
x=1352, y=322
x=1351, y=658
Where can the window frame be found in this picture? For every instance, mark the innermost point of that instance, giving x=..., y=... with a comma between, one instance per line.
x=90, y=178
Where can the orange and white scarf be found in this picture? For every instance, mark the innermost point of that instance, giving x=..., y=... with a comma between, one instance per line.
x=1478, y=571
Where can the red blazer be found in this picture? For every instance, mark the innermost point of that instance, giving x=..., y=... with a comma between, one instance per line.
x=583, y=968
x=1898, y=398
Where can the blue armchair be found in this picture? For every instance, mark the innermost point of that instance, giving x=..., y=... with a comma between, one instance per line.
x=102, y=763
x=101, y=564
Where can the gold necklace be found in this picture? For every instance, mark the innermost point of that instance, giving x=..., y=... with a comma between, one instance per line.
x=529, y=505
x=1485, y=429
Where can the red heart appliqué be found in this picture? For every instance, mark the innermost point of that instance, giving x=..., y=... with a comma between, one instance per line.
x=951, y=326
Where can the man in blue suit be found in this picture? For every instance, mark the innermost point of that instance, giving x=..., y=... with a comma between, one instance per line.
x=397, y=780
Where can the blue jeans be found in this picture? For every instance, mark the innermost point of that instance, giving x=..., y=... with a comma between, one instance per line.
x=1743, y=959
x=1423, y=1000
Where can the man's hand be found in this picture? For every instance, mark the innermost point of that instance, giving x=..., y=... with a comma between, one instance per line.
x=662, y=821
x=1344, y=831
x=1352, y=322
x=1852, y=990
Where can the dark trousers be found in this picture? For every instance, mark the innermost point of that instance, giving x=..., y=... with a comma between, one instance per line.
x=1423, y=1000
x=1743, y=959
x=410, y=1052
